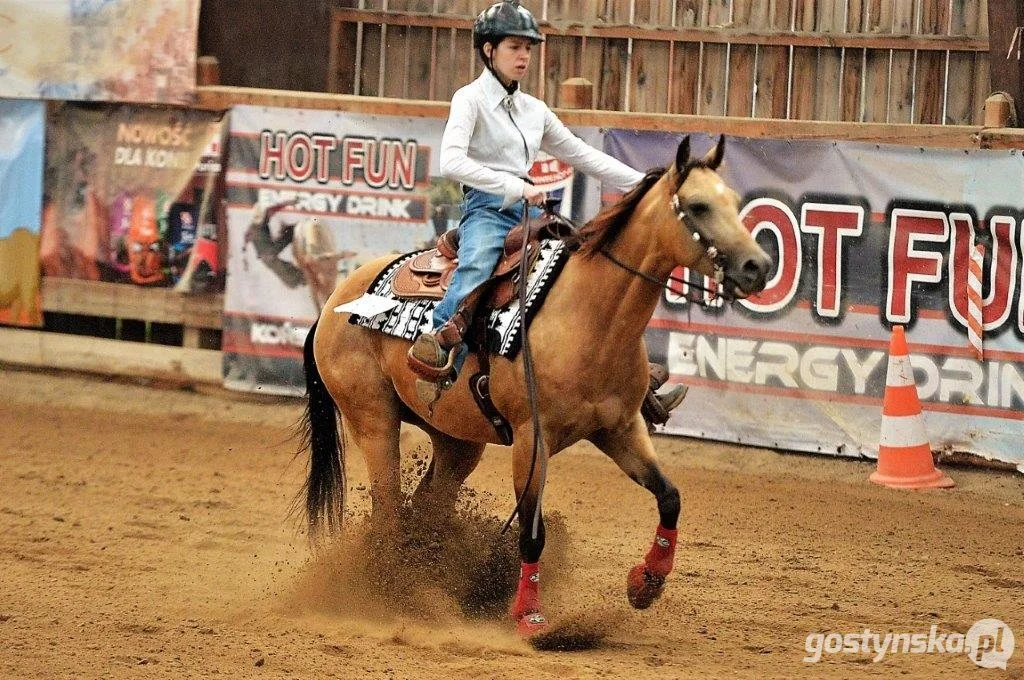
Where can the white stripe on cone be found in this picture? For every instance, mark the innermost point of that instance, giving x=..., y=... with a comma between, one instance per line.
x=903, y=431
x=899, y=372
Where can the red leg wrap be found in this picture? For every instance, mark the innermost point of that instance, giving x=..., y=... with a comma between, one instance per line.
x=647, y=579
x=659, y=557
x=528, y=593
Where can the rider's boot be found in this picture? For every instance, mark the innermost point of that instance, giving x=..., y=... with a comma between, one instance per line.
x=432, y=358
x=657, y=407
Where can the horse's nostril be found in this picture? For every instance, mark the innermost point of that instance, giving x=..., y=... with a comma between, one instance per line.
x=755, y=271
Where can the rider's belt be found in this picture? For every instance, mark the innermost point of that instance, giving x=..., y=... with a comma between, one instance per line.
x=466, y=188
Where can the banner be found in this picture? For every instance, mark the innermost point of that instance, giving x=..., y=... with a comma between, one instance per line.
x=115, y=50
x=864, y=237
x=311, y=196
x=21, y=195
x=133, y=196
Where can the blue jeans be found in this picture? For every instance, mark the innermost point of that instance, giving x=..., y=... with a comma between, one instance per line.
x=482, y=233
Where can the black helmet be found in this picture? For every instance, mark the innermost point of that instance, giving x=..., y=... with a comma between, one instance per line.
x=503, y=19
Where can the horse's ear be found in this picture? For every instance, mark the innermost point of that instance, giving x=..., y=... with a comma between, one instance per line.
x=714, y=157
x=683, y=154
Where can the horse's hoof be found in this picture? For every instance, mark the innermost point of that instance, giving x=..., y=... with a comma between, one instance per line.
x=531, y=624
x=643, y=587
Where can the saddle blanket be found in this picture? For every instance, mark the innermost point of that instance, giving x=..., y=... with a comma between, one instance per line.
x=409, y=318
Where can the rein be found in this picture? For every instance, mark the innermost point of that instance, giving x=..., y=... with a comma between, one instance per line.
x=657, y=282
x=711, y=251
x=531, y=394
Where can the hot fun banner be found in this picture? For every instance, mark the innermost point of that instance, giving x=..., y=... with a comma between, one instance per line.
x=312, y=195
x=864, y=236
x=21, y=196
x=133, y=196
x=113, y=50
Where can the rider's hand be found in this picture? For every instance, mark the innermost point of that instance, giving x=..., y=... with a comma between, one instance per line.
x=533, y=195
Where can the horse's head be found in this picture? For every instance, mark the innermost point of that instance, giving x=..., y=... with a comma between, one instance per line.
x=715, y=241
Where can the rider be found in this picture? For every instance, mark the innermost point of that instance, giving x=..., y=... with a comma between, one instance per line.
x=493, y=135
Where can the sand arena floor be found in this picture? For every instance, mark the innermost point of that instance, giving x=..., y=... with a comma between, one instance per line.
x=146, y=534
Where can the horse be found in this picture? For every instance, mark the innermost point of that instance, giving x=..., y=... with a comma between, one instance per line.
x=588, y=360
x=317, y=256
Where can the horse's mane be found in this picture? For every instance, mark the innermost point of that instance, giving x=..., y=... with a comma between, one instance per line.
x=609, y=222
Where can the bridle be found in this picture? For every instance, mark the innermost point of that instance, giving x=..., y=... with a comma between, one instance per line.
x=685, y=217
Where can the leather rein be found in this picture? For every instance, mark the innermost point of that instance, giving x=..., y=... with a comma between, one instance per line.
x=682, y=214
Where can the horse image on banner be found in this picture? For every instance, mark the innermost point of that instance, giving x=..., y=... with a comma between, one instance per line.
x=581, y=374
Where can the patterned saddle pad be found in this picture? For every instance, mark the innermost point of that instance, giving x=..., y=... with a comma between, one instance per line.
x=409, y=318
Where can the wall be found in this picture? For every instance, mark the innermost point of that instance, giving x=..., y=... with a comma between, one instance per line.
x=280, y=44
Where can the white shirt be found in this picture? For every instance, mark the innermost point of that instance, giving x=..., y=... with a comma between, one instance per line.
x=492, y=138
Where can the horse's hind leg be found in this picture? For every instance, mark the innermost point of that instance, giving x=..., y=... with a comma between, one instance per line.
x=378, y=439
x=632, y=451
x=451, y=463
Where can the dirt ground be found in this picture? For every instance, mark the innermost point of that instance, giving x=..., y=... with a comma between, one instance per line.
x=146, y=534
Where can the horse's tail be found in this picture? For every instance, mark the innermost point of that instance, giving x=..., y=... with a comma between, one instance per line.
x=325, y=485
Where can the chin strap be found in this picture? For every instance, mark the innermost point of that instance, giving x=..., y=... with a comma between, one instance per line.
x=511, y=87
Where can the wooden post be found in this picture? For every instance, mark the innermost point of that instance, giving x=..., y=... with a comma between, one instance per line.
x=999, y=111
x=1004, y=18
x=207, y=71
x=576, y=93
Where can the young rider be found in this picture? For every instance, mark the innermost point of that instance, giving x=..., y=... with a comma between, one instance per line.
x=493, y=134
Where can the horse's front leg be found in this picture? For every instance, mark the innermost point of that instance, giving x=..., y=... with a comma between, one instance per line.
x=528, y=475
x=631, y=449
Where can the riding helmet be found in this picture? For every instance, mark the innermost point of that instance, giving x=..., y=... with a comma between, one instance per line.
x=504, y=19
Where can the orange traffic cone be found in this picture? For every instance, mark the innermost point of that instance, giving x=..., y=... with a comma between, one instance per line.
x=904, y=455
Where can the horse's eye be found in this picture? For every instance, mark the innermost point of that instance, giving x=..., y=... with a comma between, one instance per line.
x=699, y=209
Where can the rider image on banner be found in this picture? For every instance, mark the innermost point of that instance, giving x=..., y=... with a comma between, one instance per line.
x=866, y=237
x=312, y=195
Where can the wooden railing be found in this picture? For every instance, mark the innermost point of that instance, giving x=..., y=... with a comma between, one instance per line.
x=198, y=315
x=926, y=67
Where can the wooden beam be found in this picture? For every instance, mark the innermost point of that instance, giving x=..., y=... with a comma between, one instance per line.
x=40, y=349
x=122, y=301
x=885, y=41
x=1001, y=138
x=942, y=136
x=222, y=98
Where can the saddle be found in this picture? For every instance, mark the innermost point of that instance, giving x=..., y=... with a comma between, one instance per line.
x=427, y=275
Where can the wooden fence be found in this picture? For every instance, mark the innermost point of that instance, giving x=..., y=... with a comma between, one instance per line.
x=96, y=312
x=883, y=61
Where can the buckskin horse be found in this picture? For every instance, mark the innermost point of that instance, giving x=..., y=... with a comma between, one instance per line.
x=589, y=365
